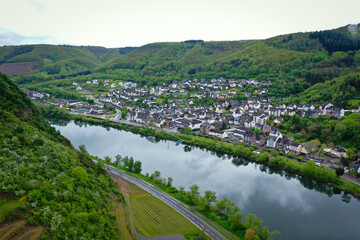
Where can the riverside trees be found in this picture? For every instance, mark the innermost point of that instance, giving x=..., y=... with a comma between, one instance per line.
x=224, y=212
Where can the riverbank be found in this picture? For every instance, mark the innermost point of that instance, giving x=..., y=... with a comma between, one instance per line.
x=229, y=225
x=308, y=170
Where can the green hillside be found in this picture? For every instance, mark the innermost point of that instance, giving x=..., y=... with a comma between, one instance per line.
x=45, y=180
x=293, y=62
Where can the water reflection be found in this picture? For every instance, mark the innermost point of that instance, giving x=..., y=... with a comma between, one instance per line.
x=299, y=208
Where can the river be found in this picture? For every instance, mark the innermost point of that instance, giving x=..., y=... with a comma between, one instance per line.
x=298, y=208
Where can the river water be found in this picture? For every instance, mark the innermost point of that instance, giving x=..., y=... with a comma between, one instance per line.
x=299, y=209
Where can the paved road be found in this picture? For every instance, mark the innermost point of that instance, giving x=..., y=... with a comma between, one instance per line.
x=177, y=205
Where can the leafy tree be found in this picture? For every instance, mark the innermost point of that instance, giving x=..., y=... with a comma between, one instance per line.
x=250, y=234
x=124, y=112
x=350, y=154
x=182, y=191
x=235, y=221
x=221, y=205
x=169, y=182
x=252, y=222
x=107, y=159
x=118, y=159
x=339, y=171
x=231, y=208
x=187, y=130
x=80, y=175
x=194, y=193
x=131, y=164
x=312, y=146
x=137, y=167
x=82, y=149
x=210, y=196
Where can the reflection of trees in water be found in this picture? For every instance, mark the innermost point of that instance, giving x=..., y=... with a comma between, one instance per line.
x=82, y=123
x=307, y=183
x=152, y=139
x=187, y=148
x=58, y=122
x=239, y=162
x=346, y=198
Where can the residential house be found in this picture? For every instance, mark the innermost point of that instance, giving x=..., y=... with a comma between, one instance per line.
x=218, y=133
x=274, y=136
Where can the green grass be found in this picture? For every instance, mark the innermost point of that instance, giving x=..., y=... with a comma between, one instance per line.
x=155, y=218
x=354, y=103
x=7, y=207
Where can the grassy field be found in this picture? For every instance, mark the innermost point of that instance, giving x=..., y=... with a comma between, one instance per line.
x=7, y=207
x=18, y=230
x=153, y=217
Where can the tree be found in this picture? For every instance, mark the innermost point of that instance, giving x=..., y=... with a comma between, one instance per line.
x=194, y=192
x=221, y=205
x=231, y=208
x=265, y=233
x=107, y=159
x=182, y=191
x=131, y=164
x=187, y=130
x=253, y=222
x=235, y=221
x=312, y=146
x=118, y=159
x=137, y=166
x=250, y=234
x=169, y=182
x=274, y=152
x=339, y=171
x=126, y=161
x=350, y=154
x=210, y=196
x=124, y=112
x=82, y=149
x=80, y=175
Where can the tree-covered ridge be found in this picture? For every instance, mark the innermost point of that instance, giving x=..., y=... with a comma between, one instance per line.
x=292, y=62
x=57, y=186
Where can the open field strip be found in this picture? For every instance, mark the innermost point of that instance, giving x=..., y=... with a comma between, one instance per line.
x=153, y=217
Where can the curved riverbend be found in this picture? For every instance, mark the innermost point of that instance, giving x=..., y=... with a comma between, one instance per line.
x=299, y=209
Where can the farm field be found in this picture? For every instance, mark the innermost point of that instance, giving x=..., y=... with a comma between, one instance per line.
x=123, y=220
x=16, y=68
x=128, y=188
x=153, y=217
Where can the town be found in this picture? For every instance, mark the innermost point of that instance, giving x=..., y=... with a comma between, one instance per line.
x=208, y=108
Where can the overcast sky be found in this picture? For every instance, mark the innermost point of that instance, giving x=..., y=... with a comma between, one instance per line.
x=120, y=23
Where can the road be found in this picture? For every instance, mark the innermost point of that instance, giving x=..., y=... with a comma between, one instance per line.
x=177, y=205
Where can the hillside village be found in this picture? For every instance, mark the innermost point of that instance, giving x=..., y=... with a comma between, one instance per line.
x=224, y=117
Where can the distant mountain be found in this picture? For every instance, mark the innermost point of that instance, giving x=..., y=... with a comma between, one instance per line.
x=45, y=182
x=293, y=62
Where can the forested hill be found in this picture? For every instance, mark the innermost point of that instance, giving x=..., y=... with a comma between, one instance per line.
x=293, y=62
x=52, y=59
x=44, y=181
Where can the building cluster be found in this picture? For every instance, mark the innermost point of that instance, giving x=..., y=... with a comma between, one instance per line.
x=238, y=121
x=244, y=121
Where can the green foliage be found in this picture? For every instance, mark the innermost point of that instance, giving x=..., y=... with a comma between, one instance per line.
x=187, y=130
x=60, y=187
x=82, y=149
x=339, y=172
